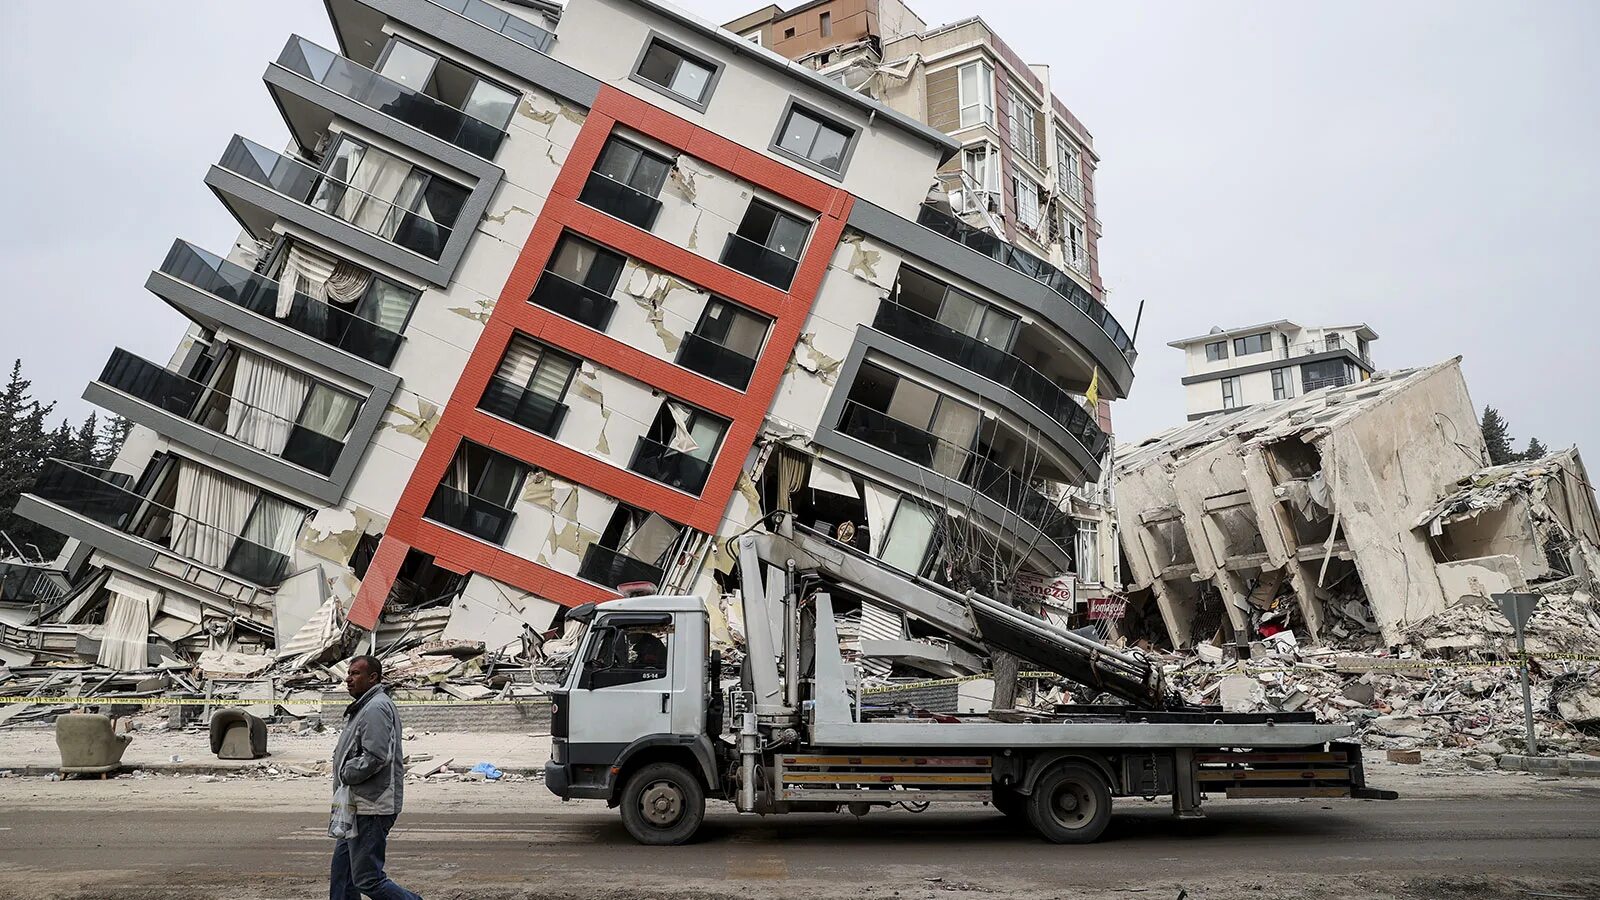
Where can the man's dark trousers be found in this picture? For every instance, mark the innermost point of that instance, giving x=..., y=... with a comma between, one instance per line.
x=358, y=864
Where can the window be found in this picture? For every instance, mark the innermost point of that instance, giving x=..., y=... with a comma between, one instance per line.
x=812, y=139
x=1216, y=351
x=982, y=165
x=625, y=183
x=261, y=554
x=1252, y=343
x=767, y=244
x=679, y=447
x=1230, y=393
x=955, y=309
x=754, y=37
x=1074, y=242
x=530, y=384
x=909, y=537
x=477, y=492
x=975, y=86
x=1282, y=384
x=578, y=282
x=725, y=343
x=628, y=654
x=911, y=420
x=676, y=71
x=1326, y=373
x=788, y=33
x=1086, y=544
x=1069, y=167
x=448, y=83
x=825, y=24
x=635, y=546
x=1332, y=341
x=1025, y=193
x=1020, y=120
x=319, y=431
x=387, y=196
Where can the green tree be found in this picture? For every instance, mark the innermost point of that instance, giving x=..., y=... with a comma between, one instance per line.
x=113, y=432
x=24, y=444
x=1536, y=450
x=1497, y=434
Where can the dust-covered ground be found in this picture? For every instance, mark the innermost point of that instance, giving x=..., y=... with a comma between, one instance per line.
x=1456, y=834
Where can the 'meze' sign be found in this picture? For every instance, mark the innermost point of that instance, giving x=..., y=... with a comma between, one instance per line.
x=1060, y=591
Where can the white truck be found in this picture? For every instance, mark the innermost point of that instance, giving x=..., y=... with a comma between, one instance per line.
x=639, y=719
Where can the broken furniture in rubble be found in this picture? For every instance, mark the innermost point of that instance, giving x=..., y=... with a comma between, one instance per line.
x=89, y=745
x=235, y=734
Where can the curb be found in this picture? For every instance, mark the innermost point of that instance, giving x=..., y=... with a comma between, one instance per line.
x=1581, y=767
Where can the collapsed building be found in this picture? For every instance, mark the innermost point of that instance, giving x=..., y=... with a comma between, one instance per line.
x=537, y=304
x=1347, y=516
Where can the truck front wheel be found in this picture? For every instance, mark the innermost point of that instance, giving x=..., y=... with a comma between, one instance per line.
x=663, y=803
x=1071, y=804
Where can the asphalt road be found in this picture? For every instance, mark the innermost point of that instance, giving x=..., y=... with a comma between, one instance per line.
x=1472, y=847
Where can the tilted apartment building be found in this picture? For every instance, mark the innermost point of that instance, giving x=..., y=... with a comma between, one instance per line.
x=543, y=301
x=1242, y=367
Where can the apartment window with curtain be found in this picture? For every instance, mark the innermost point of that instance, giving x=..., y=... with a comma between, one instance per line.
x=262, y=553
x=725, y=343
x=680, y=446
x=1020, y=121
x=1230, y=393
x=319, y=432
x=1282, y=383
x=578, y=281
x=975, y=84
x=387, y=196
x=911, y=420
x=626, y=183
x=340, y=303
x=478, y=492
x=954, y=309
x=530, y=385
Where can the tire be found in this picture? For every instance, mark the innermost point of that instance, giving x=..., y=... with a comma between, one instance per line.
x=663, y=804
x=1009, y=803
x=1071, y=804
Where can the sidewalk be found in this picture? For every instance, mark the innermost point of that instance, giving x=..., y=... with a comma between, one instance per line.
x=32, y=751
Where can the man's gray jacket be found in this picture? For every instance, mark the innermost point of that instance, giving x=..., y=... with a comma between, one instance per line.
x=368, y=757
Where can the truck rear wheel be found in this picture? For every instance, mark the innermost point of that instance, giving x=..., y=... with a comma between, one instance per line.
x=663, y=803
x=1071, y=804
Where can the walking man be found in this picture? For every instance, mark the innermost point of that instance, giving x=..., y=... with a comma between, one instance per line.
x=369, y=761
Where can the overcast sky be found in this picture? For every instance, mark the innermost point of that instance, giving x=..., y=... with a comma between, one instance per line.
x=1430, y=168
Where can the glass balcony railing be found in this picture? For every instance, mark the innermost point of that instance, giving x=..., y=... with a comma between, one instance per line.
x=1032, y=266
x=573, y=300
x=167, y=390
x=1000, y=484
x=1313, y=384
x=1331, y=344
x=759, y=262
x=108, y=501
x=624, y=201
x=675, y=468
x=997, y=366
x=411, y=228
x=476, y=516
x=715, y=361
x=516, y=403
x=361, y=84
x=501, y=22
x=260, y=294
x=612, y=568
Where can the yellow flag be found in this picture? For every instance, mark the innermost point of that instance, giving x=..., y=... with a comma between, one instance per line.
x=1093, y=393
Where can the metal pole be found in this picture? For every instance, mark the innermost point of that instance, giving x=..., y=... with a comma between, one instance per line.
x=1527, y=692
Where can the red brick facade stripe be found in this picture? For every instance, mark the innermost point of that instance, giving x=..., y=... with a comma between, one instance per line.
x=746, y=410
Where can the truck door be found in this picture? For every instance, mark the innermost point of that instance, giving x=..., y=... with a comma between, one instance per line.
x=624, y=690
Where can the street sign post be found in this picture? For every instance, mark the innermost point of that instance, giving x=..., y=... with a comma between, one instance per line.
x=1518, y=608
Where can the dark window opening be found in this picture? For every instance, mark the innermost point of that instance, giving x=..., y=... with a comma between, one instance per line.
x=815, y=139
x=670, y=68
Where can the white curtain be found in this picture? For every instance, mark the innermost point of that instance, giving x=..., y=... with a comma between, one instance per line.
x=347, y=282
x=329, y=412
x=880, y=505
x=215, y=507
x=266, y=398
x=380, y=182
x=274, y=524
x=305, y=271
x=682, y=440
x=132, y=607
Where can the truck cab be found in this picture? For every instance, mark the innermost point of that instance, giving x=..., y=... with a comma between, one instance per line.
x=629, y=719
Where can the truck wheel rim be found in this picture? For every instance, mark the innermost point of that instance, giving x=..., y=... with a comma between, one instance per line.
x=1073, y=805
x=661, y=803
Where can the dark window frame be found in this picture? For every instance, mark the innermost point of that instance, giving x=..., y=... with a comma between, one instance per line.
x=1216, y=351
x=1251, y=344
x=656, y=38
x=516, y=95
x=824, y=119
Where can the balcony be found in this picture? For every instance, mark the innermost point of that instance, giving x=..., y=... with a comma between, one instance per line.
x=996, y=365
x=671, y=467
x=501, y=22
x=179, y=396
x=370, y=89
x=1312, y=384
x=1326, y=345
x=1071, y=185
x=759, y=262
x=612, y=568
x=573, y=300
x=1008, y=489
x=516, y=403
x=715, y=361
x=476, y=516
x=1031, y=266
x=623, y=201
x=108, y=502
x=259, y=294
x=303, y=184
